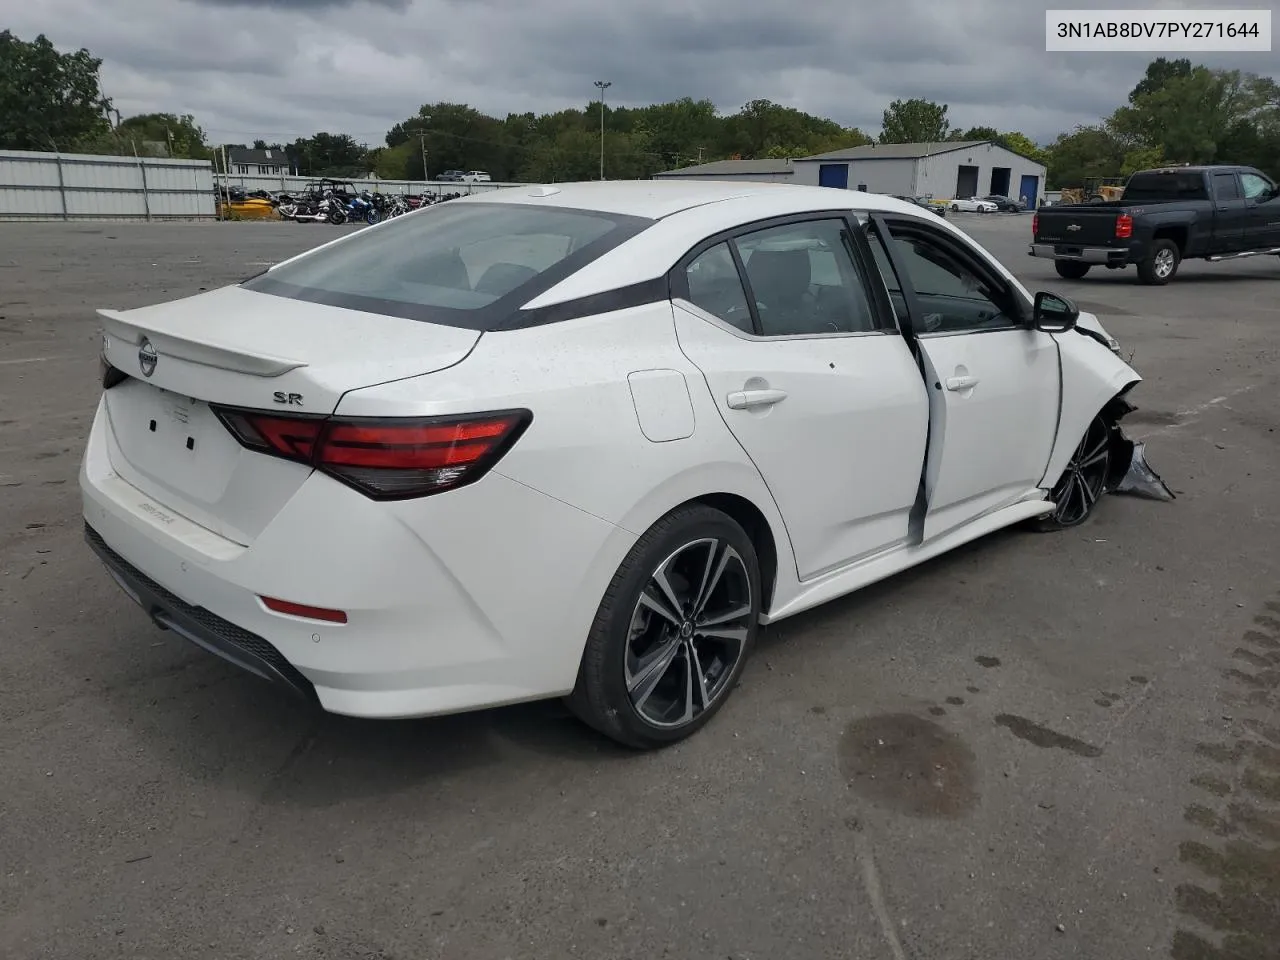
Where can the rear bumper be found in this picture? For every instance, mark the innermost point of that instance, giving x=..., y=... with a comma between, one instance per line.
x=452, y=602
x=203, y=628
x=1096, y=255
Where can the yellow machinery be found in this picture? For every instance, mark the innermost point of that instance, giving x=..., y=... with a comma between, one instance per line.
x=1094, y=189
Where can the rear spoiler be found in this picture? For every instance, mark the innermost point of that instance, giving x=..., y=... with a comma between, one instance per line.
x=186, y=347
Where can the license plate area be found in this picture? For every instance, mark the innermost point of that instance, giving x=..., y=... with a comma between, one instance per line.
x=172, y=439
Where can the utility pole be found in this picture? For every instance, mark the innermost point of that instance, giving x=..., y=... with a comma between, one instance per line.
x=603, y=85
x=422, y=142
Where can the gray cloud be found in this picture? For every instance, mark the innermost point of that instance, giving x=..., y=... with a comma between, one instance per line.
x=283, y=68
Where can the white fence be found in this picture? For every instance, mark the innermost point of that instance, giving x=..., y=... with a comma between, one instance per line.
x=73, y=186
x=287, y=183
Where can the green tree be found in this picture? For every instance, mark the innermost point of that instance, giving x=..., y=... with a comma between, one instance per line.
x=1083, y=153
x=48, y=100
x=914, y=121
x=1159, y=72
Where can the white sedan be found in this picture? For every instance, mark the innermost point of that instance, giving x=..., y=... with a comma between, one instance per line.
x=973, y=205
x=581, y=440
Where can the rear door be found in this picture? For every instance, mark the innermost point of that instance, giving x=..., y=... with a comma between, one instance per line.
x=813, y=378
x=1231, y=216
x=994, y=385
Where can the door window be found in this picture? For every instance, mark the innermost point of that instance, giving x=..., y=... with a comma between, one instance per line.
x=1255, y=186
x=954, y=297
x=1225, y=187
x=714, y=285
x=805, y=280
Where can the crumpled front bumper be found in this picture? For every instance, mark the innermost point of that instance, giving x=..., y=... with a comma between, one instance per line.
x=1130, y=472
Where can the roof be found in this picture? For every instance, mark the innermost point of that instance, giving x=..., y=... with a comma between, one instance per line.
x=656, y=199
x=719, y=168
x=898, y=151
x=263, y=157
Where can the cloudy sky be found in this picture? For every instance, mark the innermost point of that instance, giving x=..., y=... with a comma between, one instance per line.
x=278, y=69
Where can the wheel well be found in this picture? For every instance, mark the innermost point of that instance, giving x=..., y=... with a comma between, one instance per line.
x=748, y=516
x=1177, y=234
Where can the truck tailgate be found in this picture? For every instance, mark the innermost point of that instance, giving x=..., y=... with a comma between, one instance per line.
x=1084, y=226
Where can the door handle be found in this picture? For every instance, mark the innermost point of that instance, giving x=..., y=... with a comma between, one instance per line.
x=961, y=383
x=746, y=399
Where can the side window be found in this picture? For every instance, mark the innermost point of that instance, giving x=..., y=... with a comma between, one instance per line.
x=805, y=280
x=1225, y=187
x=953, y=297
x=887, y=273
x=1254, y=186
x=714, y=285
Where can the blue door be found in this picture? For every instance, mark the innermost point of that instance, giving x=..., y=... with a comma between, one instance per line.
x=834, y=175
x=1028, y=190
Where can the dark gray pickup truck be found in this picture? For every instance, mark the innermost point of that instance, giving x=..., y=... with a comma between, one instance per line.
x=1165, y=216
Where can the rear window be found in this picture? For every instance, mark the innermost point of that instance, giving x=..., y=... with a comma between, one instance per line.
x=460, y=264
x=1157, y=187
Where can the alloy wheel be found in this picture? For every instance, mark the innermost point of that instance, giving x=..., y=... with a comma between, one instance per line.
x=1085, y=477
x=687, y=633
x=1164, y=263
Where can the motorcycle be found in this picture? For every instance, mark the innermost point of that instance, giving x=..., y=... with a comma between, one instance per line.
x=360, y=207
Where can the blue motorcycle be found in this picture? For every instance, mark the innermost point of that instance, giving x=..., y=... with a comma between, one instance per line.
x=362, y=207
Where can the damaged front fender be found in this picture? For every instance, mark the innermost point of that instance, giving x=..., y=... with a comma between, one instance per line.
x=1130, y=473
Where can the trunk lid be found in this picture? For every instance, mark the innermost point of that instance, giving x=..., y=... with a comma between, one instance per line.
x=1079, y=225
x=236, y=347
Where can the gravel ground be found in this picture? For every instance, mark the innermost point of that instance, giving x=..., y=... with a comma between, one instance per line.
x=1036, y=747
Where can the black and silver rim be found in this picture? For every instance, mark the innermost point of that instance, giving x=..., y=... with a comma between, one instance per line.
x=688, y=633
x=1165, y=262
x=1085, y=478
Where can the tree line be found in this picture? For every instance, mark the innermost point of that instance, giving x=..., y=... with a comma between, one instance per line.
x=1177, y=113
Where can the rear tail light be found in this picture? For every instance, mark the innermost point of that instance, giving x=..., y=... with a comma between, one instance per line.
x=1035, y=225
x=392, y=459
x=1124, y=226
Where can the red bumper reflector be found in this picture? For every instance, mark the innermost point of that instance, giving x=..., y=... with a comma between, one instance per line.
x=302, y=610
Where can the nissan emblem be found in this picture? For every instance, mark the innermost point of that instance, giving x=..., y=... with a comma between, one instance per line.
x=147, y=357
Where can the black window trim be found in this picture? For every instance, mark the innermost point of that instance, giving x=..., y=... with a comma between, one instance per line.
x=881, y=308
x=1235, y=179
x=507, y=312
x=1021, y=319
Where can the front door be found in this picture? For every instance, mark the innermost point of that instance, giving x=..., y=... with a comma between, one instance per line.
x=1263, y=204
x=994, y=384
x=814, y=380
x=1230, y=215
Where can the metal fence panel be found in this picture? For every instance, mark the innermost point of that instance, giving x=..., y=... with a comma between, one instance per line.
x=69, y=186
x=288, y=183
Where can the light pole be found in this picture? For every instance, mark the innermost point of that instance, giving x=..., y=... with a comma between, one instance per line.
x=603, y=85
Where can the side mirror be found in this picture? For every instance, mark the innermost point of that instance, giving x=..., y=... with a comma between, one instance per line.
x=1054, y=314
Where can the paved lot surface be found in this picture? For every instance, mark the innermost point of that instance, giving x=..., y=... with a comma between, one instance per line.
x=1039, y=747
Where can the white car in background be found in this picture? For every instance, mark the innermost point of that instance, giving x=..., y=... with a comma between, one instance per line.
x=973, y=205
x=582, y=440
x=476, y=176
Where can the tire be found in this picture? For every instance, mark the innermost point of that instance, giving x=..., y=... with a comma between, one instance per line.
x=955, y=208
x=1084, y=480
x=1159, y=268
x=634, y=683
x=372, y=217
x=1071, y=269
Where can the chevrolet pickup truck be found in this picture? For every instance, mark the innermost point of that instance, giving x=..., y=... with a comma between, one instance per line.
x=1165, y=216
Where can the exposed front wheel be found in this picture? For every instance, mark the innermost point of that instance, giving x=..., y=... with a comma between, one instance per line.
x=673, y=631
x=1084, y=480
x=1070, y=269
x=1159, y=268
